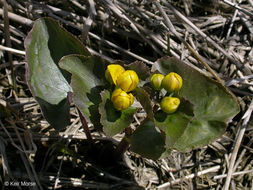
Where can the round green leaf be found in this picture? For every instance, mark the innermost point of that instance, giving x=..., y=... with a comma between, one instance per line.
x=199, y=132
x=148, y=141
x=209, y=106
x=45, y=45
x=87, y=82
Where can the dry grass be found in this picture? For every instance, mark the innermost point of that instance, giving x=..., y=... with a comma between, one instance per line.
x=215, y=36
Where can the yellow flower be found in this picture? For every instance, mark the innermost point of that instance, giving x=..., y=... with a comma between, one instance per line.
x=156, y=81
x=112, y=73
x=128, y=80
x=121, y=100
x=172, y=82
x=169, y=104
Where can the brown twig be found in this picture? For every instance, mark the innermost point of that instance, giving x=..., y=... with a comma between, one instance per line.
x=200, y=173
x=238, y=8
x=8, y=43
x=8, y=49
x=207, y=38
x=240, y=134
x=173, y=30
x=88, y=22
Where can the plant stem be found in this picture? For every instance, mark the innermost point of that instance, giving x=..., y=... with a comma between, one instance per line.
x=83, y=120
x=85, y=127
x=121, y=148
x=123, y=144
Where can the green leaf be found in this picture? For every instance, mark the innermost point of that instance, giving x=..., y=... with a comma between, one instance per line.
x=143, y=97
x=87, y=82
x=202, y=116
x=173, y=125
x=198, y=133
x=45, y=45
x=148, y=141
x=112, y=120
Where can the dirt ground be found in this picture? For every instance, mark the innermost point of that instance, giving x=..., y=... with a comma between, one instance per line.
x=35, y=156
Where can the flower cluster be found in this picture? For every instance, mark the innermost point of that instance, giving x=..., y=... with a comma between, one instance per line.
x=125, y=81
x=172, y=82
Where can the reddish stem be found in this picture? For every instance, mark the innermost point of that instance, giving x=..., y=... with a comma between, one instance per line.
x=85, y=127
x=123, y=144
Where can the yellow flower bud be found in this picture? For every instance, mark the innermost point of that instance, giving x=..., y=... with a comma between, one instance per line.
x=112, y=73
x=128, y=80
x=169, y=104
x=121, y=100
x=156, y=81
x=172, y=82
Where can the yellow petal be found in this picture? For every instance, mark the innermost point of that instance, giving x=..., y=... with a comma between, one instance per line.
x=169, y=104
x=128, y=80
x=131, y=99
x=156, y=81
x=172, y=82
x=121, y=100
x=112, y=73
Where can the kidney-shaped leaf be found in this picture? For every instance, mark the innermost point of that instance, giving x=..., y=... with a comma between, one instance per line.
x=148, y=141
x=45, y=45
x=87, y=82
x=212, y=104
